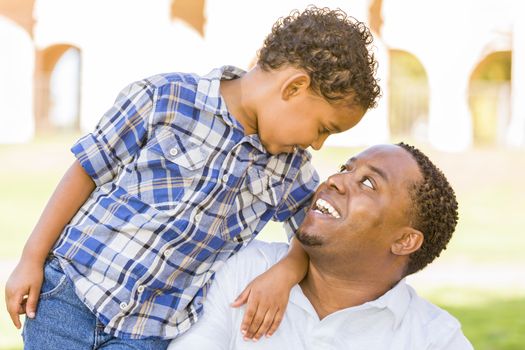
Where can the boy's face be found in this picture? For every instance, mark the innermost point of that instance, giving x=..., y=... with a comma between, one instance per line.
x=303, y=120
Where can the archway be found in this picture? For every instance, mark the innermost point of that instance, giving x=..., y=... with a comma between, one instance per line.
x=191, y=12
x=490, y=98
x=409, y=93
x=57, y=88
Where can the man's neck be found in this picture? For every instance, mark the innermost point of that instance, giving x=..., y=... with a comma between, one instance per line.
x=330, y=293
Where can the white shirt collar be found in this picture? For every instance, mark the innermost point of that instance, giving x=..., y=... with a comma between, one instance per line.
x=396, y=300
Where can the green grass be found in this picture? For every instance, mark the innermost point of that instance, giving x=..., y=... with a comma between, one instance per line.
x=489, y=320
x=29, y=175
x=498, y=324
x=488, y=183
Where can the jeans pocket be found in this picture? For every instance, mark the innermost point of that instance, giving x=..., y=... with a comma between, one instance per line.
x=54, y=279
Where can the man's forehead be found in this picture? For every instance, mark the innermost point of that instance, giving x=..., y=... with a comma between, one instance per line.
x=387, y=160
x=380, y=151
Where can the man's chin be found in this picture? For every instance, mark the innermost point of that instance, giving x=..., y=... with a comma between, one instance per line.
x=308, y=240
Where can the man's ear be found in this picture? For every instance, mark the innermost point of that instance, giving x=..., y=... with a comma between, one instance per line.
x=410, y=241
x=294, y=85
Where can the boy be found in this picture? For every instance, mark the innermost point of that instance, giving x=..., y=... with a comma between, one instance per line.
x=181, y=173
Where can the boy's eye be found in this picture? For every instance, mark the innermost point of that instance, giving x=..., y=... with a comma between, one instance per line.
x=366, y=181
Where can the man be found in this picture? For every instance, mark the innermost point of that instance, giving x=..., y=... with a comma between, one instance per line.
x=387, y=214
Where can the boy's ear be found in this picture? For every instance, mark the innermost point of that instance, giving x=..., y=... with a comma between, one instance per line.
x=294, y=85
x=409, y=241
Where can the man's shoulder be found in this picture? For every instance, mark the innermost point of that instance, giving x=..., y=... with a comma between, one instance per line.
x=254, y=259
x=435, y=321
x=430, y=312
x=260, y=253
x=418, y=323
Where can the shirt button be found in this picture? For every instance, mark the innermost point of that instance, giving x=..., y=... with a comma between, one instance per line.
x=167, y=252
x=224, y=178
x=174, y=151
x=198, y=217
x=140, y=289
x=123, y=305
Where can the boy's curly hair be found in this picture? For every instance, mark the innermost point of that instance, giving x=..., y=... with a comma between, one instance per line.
x=434, y=211
x=331, y=47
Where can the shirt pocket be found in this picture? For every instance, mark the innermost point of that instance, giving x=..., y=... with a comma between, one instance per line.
x=267, y=188
x=166, y=171
x=264, y=193
x=185, y=154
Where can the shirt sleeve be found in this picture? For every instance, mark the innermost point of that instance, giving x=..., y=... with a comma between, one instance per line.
x=119, y=135
x=294, y=207
x=214, y=328
x=455, y=341
x=446, y=334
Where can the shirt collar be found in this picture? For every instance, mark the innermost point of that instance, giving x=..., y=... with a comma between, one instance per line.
x=396, y=300
x=298, y=298
x=209, y=97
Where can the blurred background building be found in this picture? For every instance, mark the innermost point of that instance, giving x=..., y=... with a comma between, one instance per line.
x=452, y=72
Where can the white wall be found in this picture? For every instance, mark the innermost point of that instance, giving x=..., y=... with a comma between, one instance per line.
x=122, y=40
x=450, y=37
x=125, y=40
x=16, y=83
x=516, y=131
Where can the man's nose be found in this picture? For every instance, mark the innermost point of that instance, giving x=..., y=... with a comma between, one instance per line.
x=336, y=182
x=317, y=144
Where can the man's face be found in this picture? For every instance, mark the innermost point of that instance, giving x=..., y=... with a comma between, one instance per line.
x=359, y=212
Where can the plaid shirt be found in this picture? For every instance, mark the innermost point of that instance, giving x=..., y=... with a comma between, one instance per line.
x=180, y=189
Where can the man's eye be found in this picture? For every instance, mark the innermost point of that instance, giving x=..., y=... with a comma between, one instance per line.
x=366, y=181
x=342, y=168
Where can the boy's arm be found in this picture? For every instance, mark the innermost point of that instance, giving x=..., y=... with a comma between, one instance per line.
x=116, y=140
x=26, y=279
x=267, y=295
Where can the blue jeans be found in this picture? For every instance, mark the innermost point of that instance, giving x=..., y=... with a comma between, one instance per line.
x=63, y=322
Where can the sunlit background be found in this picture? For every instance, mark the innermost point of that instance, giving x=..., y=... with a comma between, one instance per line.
x=453, y=80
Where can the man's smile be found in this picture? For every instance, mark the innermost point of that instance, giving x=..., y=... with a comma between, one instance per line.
x=323, y=207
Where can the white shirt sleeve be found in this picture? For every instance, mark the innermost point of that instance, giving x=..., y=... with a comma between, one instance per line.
x=219, y=326
x=214, y=329
x=456, y=341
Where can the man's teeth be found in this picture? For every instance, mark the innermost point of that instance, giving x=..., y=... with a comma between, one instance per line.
x=324, y=207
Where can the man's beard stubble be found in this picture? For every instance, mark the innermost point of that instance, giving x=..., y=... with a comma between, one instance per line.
x=309, y=240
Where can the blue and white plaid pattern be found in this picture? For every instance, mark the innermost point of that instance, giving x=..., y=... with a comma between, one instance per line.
x=180, y=189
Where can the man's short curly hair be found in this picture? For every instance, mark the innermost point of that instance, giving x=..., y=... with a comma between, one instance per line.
x=331, y=47
x=434, y=211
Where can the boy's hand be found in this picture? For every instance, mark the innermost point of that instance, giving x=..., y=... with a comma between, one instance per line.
x=266, y=298
x=23, y=289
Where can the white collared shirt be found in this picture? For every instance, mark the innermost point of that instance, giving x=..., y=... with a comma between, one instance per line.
x=399, y=319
